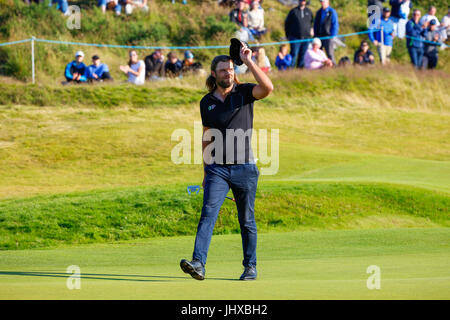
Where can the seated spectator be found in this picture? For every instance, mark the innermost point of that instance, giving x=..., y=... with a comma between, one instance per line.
x=256, y=19
x=131, y=5
x=173, y=65
x=363, y=55
x=315, y=58
x=97, y=71
x=430, y=53
x=62, y=5
x=261, y=59
x=154, y=65
x=135, y=69
x=284, y=59
x=189, y=65
x=110, y=5
x=76, y=70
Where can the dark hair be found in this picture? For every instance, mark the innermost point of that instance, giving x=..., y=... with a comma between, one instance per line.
x=129, y=61
x=211, y=84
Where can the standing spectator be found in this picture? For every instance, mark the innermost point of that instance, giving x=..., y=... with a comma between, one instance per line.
x=111, y=5
x=256, y=19
x=363, y=55
x=445, y=26
x=284, y=59
x=173, y=65
x=261, y=60
x=414, y=34
x=400, y=12
x=62, y=5
x=154, y=65
x=298, y=26
x=315, y=58
x=326, y=25
x=189, y=65
x=430, y=55
x=76, y=70
x=385, y=48
x=431, y=15
x=135, y=69
x=97, y=71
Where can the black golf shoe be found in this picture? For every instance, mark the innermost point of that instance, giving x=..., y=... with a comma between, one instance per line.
x=249, y=273
x=195, y=268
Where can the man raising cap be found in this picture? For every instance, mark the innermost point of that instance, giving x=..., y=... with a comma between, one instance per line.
x=227, y=117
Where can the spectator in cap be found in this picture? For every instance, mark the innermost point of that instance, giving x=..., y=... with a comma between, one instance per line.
x=430, y=55
x=363, y=56
x=189, y=65
x=315, y=58
x=384, y=47
x=97, y=71
x=76, y=70
x=154, y=65
x=298, y=26
x=326, y=24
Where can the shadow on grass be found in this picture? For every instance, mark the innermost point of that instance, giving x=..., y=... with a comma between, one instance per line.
x=101, y=276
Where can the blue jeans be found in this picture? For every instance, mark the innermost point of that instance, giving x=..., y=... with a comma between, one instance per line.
x=243, y=180
x=298, y=51
x=62, y=5
x=416, y=55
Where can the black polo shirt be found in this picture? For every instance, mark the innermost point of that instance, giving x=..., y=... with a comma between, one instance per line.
x=235, y=113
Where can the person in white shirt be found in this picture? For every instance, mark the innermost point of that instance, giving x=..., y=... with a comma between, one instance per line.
x=431, y=15
x=135, y=70
x=315, y=58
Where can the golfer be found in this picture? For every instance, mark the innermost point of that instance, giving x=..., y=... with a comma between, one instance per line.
x=227, y=110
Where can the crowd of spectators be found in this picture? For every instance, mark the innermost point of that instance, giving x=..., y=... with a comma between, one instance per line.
x=312, y=37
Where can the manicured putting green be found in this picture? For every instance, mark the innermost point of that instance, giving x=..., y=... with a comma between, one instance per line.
x=414, y=264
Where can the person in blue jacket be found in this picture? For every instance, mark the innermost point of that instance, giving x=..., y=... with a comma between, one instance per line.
x=76, y=70
x=97, y=71
x=414, y=38
x=284, y=59
x=326, y=24
x=384, y=47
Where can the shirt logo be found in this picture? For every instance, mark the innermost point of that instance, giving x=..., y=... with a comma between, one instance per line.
x=211, y=107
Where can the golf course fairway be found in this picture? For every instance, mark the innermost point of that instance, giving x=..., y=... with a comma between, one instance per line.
x=414, y=263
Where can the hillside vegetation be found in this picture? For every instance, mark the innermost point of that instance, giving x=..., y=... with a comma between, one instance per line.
x=167, y=24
